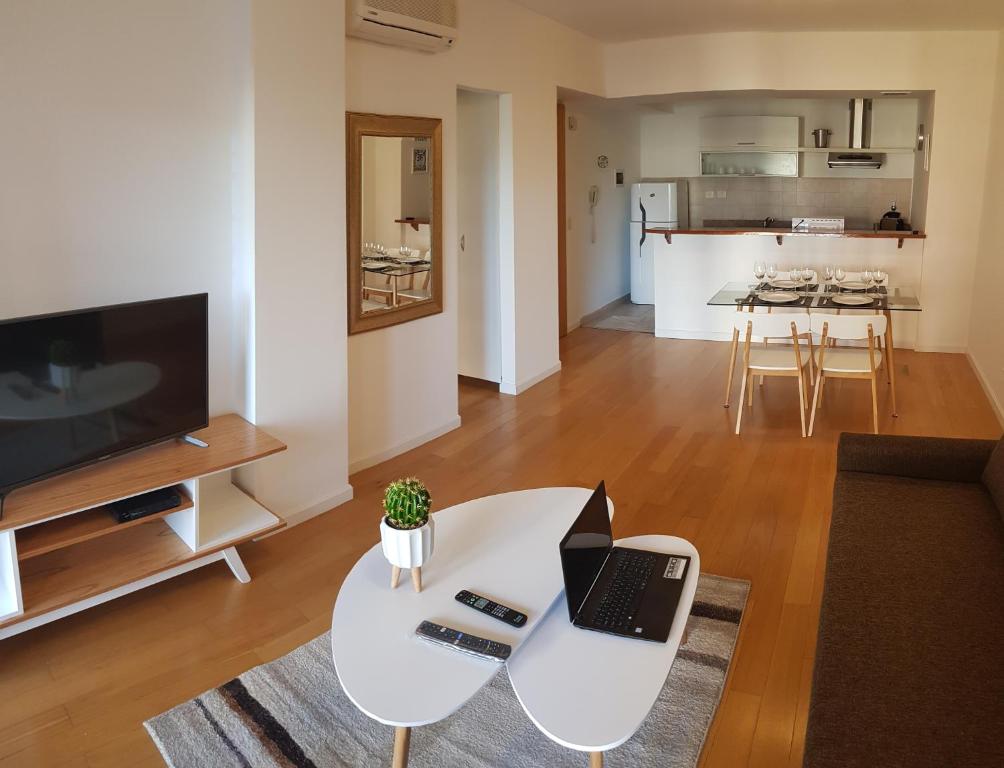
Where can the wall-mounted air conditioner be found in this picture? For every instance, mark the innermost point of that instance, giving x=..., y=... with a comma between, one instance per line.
x=429, y=25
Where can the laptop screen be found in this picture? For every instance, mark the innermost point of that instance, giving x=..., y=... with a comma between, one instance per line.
x=584, y=549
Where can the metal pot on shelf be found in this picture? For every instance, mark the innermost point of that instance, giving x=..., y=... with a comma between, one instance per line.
x=821, y=137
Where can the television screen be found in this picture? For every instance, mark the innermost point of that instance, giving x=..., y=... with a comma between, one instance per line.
x=77, y=387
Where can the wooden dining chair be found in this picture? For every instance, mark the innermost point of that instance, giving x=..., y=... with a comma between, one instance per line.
x=773, y=359
x=847, y=362
x=858, y=277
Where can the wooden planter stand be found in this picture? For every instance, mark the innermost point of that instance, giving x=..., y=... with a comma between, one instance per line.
x=61, y=551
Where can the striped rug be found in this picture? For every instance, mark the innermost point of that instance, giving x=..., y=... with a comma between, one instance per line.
x=292, y=713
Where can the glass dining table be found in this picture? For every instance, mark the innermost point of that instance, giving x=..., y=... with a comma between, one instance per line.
x=829, y=298
x=394, y=271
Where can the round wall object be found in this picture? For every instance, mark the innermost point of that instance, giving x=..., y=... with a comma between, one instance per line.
x=603, y=161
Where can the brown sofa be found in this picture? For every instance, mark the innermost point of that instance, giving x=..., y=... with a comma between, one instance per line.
x=909, y=667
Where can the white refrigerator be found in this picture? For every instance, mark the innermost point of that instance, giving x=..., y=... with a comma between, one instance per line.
x=659, y=204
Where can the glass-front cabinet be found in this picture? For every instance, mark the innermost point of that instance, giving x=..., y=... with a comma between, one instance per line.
x=758, y=163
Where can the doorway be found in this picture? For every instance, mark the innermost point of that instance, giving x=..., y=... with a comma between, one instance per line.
x=479, y=199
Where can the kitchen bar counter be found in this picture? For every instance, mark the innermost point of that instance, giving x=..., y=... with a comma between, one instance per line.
x=690, y=266
x=888, y=234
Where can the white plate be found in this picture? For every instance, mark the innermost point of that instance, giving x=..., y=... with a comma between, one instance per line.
x=852, y=300
x=778, y=297
x=854, y=285
x=784, y=284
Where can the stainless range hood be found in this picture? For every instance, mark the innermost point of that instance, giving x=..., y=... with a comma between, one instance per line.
x=859, y=138
x=855, y=159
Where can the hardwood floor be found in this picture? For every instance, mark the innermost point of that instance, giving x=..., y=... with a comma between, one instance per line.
x=642, y=413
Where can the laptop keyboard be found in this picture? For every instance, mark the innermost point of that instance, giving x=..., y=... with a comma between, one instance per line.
x=623, y=593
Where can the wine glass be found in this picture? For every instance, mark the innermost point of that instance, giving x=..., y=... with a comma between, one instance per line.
x=839, y=274
x=880, y=277
x=771, y=271
x=828, y=273
x=759, y=270
x=808, y=273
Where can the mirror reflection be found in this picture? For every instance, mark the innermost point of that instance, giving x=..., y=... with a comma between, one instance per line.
x=396, y=205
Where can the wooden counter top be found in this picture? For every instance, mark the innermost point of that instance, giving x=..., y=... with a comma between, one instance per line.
x=780, y=234
x=882, y=233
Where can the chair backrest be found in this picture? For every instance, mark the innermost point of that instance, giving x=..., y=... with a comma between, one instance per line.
x=847, y=326
x=772, y=326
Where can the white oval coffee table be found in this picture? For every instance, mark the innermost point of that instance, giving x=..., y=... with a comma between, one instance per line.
x=504, y=547
x=591, y=691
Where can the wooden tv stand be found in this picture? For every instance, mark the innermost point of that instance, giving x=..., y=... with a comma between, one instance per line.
x=61, y=551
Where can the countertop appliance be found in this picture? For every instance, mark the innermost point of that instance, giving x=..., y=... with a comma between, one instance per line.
x=658, y=204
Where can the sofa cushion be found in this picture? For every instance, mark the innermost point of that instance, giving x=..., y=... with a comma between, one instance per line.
x=908, y=667
x=993, y=476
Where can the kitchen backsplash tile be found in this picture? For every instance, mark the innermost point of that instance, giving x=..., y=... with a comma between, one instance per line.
x=860, y=201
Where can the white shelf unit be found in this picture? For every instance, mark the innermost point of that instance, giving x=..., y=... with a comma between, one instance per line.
x=10, y=583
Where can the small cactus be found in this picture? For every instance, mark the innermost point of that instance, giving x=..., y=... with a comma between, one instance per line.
x=407, y=503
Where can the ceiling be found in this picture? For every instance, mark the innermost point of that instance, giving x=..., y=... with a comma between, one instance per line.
x=620, y=20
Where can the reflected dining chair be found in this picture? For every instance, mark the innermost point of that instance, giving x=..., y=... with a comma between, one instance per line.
x=847, y=362
x=773, y=359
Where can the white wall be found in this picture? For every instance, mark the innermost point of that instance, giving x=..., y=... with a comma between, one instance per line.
x=117, y=156
x=479, y=293
x=300, y=290
x=151, y=149
x=957, y=66
x=986, y=348
x=599, y=272
x=503, y=48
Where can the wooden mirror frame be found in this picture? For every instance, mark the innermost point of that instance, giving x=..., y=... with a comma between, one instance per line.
x=358, y=125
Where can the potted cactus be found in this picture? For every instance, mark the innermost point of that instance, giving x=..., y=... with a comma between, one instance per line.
x=406, y=531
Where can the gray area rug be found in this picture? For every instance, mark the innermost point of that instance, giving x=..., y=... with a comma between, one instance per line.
x=626, y=316
x=292, y=712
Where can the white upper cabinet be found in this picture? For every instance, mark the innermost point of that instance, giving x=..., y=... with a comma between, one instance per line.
x=749, y=131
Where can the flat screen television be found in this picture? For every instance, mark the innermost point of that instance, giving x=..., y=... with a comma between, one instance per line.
x=78, y=387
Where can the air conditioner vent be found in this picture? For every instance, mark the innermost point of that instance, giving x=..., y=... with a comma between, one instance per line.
x=442, y=12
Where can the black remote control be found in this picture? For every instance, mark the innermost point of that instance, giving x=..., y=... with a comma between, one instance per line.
x=496, y=610
x=463, y=642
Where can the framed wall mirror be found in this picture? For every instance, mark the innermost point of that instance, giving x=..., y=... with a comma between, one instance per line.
x=395, y=219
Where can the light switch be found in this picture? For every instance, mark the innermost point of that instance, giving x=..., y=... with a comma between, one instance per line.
x=709, y=195
x=721, y=194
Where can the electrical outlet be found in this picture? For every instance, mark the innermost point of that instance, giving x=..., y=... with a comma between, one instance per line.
x=721, y=194
x=709, y=195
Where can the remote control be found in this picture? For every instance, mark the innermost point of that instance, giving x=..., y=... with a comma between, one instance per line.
x=463, y=642
x=497, y=610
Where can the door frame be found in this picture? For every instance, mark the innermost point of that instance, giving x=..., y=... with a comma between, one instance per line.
x=562, y=229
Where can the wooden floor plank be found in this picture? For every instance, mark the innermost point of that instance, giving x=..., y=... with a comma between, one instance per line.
x=642, y=413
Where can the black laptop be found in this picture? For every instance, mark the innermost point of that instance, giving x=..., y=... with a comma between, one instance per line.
x=629, y=592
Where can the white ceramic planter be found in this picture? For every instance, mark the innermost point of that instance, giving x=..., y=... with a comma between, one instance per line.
x=63, y=377
x=407, y=549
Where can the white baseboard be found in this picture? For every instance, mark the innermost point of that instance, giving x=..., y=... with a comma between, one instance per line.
x=523, y=386
x=344, y=495
x=673, y=333
x=985, y=383
x=944, y=350
x=365, y=463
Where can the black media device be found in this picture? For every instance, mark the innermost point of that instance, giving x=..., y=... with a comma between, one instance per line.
x=145, y=504
x=622, y=591
x=493, y=609
x=78, y=387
